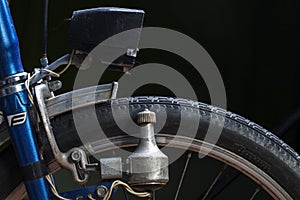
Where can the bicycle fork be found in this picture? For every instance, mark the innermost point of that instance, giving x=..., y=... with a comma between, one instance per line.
x=16, y=108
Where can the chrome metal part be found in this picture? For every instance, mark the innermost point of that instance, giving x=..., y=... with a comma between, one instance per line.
x=114, y=91
x=81, y=98
x=42, y=92
x=55, y=85
x=111, y=168
x=198, y=146
x=12, y=84
x=76, y=156
x=101, y=191
x=148, y=166
x=13, y=79
x=146, y=117
x=40, y=74
x=5, y=91
x=50, y=105
x=79, y=158
x=132, y=52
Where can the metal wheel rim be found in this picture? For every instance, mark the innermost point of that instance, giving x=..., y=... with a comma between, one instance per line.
x=218, y=153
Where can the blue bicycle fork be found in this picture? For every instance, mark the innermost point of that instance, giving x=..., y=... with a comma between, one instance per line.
x=16, y=108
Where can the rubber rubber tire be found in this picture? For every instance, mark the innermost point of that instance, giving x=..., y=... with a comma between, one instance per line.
x=239, y=136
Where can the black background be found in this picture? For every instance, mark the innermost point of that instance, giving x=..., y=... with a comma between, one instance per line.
x=255, y=44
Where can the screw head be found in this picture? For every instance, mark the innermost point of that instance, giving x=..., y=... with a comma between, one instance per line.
x=76, y=156
x=101, y=191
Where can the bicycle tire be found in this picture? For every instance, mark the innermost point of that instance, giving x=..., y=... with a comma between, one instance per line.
x=240, y=136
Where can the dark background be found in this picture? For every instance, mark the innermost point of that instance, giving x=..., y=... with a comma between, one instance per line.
x=255, y=44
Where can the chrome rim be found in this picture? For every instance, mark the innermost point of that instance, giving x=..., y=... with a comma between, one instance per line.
x=194, y=145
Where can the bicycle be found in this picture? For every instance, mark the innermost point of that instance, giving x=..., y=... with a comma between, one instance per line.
x=46, y=123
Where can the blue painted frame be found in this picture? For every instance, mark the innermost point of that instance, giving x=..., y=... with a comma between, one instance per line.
x=22, y=135
x=84, y=192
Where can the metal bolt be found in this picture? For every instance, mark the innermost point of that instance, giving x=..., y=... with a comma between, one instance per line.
x=101, y=191
x=76, y=156
x=55, y=85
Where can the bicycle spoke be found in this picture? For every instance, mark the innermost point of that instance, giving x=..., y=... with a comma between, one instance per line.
x=223, y=179
x=214, y=182
x=257, y=190
x=183, y=174
x=153, y=195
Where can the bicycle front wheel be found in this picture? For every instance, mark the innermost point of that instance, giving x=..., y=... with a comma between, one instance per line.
x=269, y=168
